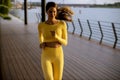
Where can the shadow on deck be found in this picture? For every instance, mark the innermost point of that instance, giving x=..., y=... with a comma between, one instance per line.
x=84, y=60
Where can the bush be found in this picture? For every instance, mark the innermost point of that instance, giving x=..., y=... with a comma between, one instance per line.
x=4, y=9
x=5, y=5
x=5, y=16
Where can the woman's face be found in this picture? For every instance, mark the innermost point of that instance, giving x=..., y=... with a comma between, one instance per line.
x=52, y=12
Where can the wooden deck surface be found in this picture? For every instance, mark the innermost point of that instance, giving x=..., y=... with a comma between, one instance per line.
x=84, y=60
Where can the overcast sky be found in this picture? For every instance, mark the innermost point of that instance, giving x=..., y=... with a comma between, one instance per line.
x=79, y=1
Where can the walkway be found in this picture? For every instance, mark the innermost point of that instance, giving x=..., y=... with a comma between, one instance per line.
x=84, y=60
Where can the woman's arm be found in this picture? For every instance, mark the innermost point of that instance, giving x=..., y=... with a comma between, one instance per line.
x=63, y=39
x=41, y=38
x=40, y=35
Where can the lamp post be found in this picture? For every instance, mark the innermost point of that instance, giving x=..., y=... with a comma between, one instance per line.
x=43, y=3
x=25, y=11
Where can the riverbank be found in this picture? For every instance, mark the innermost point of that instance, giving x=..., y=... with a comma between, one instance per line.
x=115, y=5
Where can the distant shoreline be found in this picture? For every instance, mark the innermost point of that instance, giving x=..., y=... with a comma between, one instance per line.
x=115, y=5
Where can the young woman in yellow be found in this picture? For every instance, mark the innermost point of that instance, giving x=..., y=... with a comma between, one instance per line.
x=52, y=34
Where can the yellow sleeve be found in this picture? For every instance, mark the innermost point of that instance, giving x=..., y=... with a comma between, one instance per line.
x=40, y=35
x=63, y=39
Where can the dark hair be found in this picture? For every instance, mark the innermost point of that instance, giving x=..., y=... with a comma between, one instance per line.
x=50, y=4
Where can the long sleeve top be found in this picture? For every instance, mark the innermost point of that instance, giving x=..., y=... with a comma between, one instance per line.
x=60, y=29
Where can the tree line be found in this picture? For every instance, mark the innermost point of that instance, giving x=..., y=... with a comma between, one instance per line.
x=114, y=5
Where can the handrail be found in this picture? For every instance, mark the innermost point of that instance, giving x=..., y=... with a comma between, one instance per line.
x=115, y=34
x=38, y=17
x=73, y=27
x=89, y=29
x=101, y=32
x=80, y=27
x=100, y=29
x=67, y=25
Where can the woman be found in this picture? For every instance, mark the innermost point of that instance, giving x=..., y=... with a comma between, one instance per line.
x=52, y=34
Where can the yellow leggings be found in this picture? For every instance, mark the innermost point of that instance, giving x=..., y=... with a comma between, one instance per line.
x=52, y=60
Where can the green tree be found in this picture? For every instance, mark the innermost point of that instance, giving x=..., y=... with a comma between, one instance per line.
x=1, y=1
x=5, y=5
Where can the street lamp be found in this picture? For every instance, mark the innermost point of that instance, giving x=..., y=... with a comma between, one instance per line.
x=43, y=3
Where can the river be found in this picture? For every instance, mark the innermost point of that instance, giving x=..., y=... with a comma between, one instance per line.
x=105, y=15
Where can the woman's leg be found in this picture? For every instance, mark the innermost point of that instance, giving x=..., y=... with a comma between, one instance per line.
x=52, y=60
x=46, y=67
x=58, y=65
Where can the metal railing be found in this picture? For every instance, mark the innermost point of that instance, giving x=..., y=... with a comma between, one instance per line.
x=104, y=32
x=38, y=15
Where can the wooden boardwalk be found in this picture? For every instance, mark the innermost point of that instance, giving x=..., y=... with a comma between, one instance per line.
x=84, y=60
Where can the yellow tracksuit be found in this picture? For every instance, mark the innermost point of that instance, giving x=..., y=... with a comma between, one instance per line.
x=52, y=59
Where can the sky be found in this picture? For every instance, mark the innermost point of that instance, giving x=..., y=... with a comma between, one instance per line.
x=79, y=1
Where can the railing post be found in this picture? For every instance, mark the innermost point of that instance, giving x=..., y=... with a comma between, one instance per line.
x=100, y=32
x=115, y=34
x=89, y=29
x=67, y=25
x=73, y=27
x=37, y=17
x=80, y=27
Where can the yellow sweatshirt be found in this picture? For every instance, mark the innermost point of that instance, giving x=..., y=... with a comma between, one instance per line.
x=60, y=29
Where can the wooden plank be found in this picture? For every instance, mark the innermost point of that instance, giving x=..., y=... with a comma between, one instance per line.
x=75, y=54
x=25, y=62
x=10, y=63
x=17, y=58
x=13, y=60
x=5, y=68
x=21, y=62
x=32, y=56
x=84, y=60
